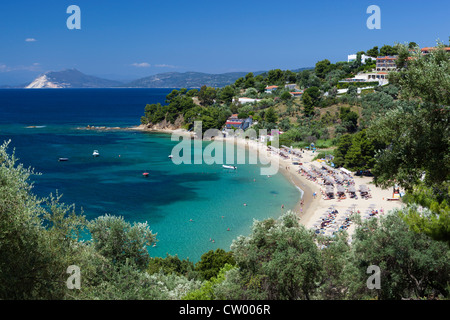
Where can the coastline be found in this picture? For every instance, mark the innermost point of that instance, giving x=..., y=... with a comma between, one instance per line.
x=304, y=211
x=314, y=208
x=309, y=209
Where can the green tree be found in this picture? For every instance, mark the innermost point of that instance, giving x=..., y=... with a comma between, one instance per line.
x=271, y=116
x=38, y=237
x=279, y=260
x=314, y=93
x=206, y=95
x=387, y=50
x=349, y=119
x=322, y=68
x=285, y=96
x=308, y=104
x=208, y=289
x=170, y=265
x=360, y=155
x=373, y=52
x=275, y=76
x=412, y=45
x=121, y=242
x=412, y=265
x=344, y=144
x=227, y=94
x=212, y=262
x=417, y=133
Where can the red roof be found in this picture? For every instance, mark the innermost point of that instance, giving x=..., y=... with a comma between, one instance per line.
x=387, y=58
x=271, y=87
x=433, y=48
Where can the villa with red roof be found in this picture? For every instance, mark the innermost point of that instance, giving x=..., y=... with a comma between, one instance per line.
x=387, y=63
x=269, y=89
x=427, y=50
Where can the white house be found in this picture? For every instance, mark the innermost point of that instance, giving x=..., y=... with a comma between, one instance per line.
x=244, y=100
x=352, y=57
x=290, y=86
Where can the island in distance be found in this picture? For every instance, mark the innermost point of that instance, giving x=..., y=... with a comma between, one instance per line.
x=72, y=78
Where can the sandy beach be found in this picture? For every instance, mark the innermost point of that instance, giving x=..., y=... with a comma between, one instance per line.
x=313, y=208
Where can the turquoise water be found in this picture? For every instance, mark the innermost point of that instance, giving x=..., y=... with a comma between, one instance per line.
x=188, y=206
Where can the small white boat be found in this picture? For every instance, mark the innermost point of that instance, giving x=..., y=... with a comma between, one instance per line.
x=229, y=167
x=170, y=156
x=63, y=159
x=95, y=153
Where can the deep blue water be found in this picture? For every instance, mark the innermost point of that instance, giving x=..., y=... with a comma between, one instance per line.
x=187, y=205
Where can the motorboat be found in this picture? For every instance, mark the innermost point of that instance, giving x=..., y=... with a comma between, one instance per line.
x=63, y=159
x=145, y=174
x=96, y=153
x=229, y=167
x=170, y=156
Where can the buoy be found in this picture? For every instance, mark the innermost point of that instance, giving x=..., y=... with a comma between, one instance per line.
x=228, y=229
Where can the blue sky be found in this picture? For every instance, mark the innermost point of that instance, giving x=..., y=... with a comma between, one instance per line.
x=136, y=38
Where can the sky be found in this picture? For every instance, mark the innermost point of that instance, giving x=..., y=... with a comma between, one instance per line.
x=126, y=40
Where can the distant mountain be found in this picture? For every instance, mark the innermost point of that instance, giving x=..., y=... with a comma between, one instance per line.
x=187, y=80
x=70, y=78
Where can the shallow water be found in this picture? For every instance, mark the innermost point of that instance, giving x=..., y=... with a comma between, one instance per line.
x=192, y=208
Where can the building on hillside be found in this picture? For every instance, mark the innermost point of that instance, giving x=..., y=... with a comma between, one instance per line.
x=381, y=77
x=296, y=94
x=352, y=57
x=234, y=122
x=244, y=100
x=290, y=86
x=269, y=137
x=387, y=63
x=427, y=50
x=270, y=89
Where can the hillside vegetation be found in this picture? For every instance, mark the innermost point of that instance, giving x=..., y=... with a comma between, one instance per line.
x=400, y=131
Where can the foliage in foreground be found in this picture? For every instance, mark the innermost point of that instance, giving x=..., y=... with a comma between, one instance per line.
x=280, y=259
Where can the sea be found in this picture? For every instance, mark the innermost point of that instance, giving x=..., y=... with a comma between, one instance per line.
x=192, y=208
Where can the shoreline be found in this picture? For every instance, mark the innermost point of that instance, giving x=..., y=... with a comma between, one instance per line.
x=307, y=188
x=313, y=209
x=306, y=211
